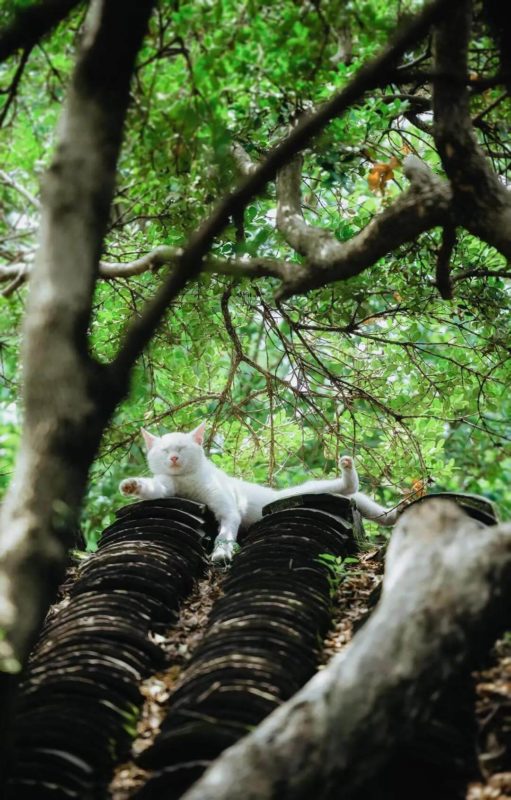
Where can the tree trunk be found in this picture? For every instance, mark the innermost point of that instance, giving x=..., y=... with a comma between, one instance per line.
x=446, y=597
x=67, y=398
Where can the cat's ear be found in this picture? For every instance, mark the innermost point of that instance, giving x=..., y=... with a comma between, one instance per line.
x=149, y=439
x=198, y=433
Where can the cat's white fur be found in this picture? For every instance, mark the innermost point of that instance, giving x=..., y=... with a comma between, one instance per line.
x=180, y=467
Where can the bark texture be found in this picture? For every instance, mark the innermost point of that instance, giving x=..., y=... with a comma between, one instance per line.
x=67, y=396
x=446, y=597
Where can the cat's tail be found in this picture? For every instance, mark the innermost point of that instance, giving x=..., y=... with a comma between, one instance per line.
x=373, y=511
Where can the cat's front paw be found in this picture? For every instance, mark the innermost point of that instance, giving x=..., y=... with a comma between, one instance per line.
x=130, y=486
x=346, y=462
x=223, y=552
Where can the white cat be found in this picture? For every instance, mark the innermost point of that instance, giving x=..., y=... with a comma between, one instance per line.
x=180, y=468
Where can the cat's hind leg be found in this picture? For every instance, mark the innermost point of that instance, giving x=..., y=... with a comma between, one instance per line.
x=349, y=476
x=345, y=485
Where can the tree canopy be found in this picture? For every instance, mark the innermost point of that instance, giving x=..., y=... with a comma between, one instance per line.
x=391, y=365
x=356, y=304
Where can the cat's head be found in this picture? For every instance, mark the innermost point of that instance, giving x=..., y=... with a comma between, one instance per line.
x=175, y=454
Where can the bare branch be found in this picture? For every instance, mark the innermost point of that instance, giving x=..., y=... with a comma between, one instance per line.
x=344, y=52
x=9, y=181
x=476, y=122
x=425, y=127
x=169, y=256
x=251, y=268
x=20, y=276
x=419, y=104
x=10, y=271
x=31, y=24
x=159, y=257
x=439, y=613
x=13, y=88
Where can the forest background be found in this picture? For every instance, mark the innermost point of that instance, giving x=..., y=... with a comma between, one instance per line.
x=390, y=366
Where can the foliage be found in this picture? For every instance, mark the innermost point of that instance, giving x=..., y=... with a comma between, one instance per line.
x=380, y=366
x=338, y=569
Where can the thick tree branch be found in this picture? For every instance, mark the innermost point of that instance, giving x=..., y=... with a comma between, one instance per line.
x=68, y=402
x=306, y=239
x=169, y=256
x=418, y=103
x=423, y=206
x=165, y=255
x=445, y=599
x=482, y=203
x=31, y=24
x=443, y=264
x=371, y=75
x=465, y=274
x=244, y=164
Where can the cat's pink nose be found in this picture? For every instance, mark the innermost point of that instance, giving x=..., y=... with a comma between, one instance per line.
x=174, y=459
